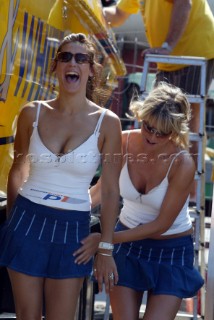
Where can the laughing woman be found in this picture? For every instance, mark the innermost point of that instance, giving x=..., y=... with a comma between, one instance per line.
x=58, y=148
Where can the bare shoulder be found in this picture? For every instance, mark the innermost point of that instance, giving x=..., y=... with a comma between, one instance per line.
x=186, y=161
x=29, y=110
x=110, y=120
x=111, y=116
x=183, y=167
x=132, y=133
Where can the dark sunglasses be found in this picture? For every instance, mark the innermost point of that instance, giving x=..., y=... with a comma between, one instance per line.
x=152, y=130
x=80, y=58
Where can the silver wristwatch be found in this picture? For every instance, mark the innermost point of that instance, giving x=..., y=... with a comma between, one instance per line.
x=166, y=46
x=106, y=246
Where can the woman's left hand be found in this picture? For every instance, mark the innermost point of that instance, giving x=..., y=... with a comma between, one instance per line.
x=105, y=272
x=88, y=248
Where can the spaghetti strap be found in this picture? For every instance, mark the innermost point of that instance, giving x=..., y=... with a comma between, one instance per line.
x=97, y=129
x=35, y=124
x=177, y=154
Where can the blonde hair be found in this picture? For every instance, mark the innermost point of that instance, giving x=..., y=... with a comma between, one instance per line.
x=166, y=106
x=93, y=89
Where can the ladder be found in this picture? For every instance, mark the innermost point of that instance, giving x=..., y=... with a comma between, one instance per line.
x=197, y=214
x=209, y=302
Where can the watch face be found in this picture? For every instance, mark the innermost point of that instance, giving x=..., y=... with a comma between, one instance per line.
x=106, y=245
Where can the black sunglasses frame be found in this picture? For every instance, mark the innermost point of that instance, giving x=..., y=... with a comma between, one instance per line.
x=80, y=58
x=152, y=130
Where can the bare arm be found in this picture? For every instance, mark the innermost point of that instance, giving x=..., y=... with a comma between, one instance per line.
x=95, y=190
x=179, y=19
x=114, y=16
x=20, y=167
x=111, y=166
x=90, y=244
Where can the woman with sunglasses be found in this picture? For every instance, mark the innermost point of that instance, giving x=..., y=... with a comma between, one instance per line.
x=153, y=237
x=58, y=148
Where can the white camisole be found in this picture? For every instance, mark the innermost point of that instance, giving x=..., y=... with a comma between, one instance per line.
x=62, y=181
x=143, y=208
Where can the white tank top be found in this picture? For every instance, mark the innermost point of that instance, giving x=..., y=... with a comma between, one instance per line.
x=62, y=181
x=143, y=208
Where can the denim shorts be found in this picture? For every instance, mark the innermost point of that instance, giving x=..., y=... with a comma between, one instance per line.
x=159, y=266
x=39, y=241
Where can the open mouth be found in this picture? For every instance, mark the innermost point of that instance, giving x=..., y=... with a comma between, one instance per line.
x=72, y=76
x=149, y=142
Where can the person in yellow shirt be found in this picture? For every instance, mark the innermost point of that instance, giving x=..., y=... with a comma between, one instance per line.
x=174, y=27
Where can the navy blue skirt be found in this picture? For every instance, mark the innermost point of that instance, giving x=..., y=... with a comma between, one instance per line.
x=160, y=266
x=40, y=241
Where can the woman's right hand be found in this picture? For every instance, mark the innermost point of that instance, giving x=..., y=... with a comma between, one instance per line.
x=88, y=249
x=105, y=272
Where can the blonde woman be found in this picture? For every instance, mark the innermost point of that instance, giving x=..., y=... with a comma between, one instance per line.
x=153, y=237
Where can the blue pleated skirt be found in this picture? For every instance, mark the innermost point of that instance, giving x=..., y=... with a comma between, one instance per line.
x=40, y=241
x=160, y=266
